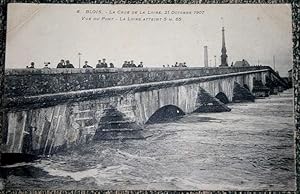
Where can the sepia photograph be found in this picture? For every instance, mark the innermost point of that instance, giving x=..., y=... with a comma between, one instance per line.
x=148, y=97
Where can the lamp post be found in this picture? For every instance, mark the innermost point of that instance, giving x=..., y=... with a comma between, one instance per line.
x=79, y=59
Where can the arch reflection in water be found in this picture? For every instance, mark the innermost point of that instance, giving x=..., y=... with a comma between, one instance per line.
x=166, y=113
x=222, y=97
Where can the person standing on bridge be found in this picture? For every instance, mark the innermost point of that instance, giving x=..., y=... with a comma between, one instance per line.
x=111, y=65
x=104, y=64
x=132, y=64
x=99, y=65
x=86, y=65
x=61, y=64
x=141, y=64
x=125, y=64
x=46, y=65
x=32, y=65
x=68, y=64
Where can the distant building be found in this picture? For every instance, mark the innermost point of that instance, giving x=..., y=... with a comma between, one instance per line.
x=242, y=63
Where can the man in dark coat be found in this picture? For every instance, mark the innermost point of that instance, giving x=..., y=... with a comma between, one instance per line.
x=68, y=64
x=141, y=64
x=99, y=65
x=61, y=64
x=86, y=65
x=132, y=64
x=32, y=65
x=125, y=64
x=104, y=64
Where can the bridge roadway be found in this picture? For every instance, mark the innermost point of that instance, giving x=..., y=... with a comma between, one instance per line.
x=46, y=119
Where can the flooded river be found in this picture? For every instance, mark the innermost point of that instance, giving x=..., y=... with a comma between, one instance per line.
x=249, y=148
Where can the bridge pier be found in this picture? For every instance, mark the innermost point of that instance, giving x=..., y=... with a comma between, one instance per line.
x=206, y=103
x=115, y=125
x=242, y=94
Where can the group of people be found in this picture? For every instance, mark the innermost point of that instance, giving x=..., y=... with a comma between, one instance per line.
x=102, y=64
x=129, y=64
x=179, y=64
x=63, y=64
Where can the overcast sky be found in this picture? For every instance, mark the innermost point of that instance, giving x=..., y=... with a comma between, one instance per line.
x=50, y=32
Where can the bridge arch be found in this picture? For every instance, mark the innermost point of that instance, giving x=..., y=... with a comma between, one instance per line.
x=165, y=113
x=222, y=97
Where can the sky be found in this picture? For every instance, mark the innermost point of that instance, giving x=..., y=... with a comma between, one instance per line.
x=50, y=32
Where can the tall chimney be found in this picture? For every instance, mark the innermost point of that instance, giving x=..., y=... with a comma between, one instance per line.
x=205, y=57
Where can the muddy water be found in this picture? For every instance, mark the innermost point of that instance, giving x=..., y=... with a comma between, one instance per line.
x=249, y=148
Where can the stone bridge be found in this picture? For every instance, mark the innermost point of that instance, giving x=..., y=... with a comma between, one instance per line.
x=47, y=110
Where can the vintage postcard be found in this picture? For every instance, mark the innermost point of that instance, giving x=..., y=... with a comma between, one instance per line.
x=148, y=97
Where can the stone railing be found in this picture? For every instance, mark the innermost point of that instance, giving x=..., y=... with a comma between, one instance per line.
x=31, y=82
x=46, y=100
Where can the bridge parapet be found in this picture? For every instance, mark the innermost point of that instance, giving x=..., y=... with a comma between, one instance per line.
x=32, y=82
x=47, y=100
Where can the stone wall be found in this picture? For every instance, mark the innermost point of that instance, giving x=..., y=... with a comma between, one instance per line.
x=31, y=82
